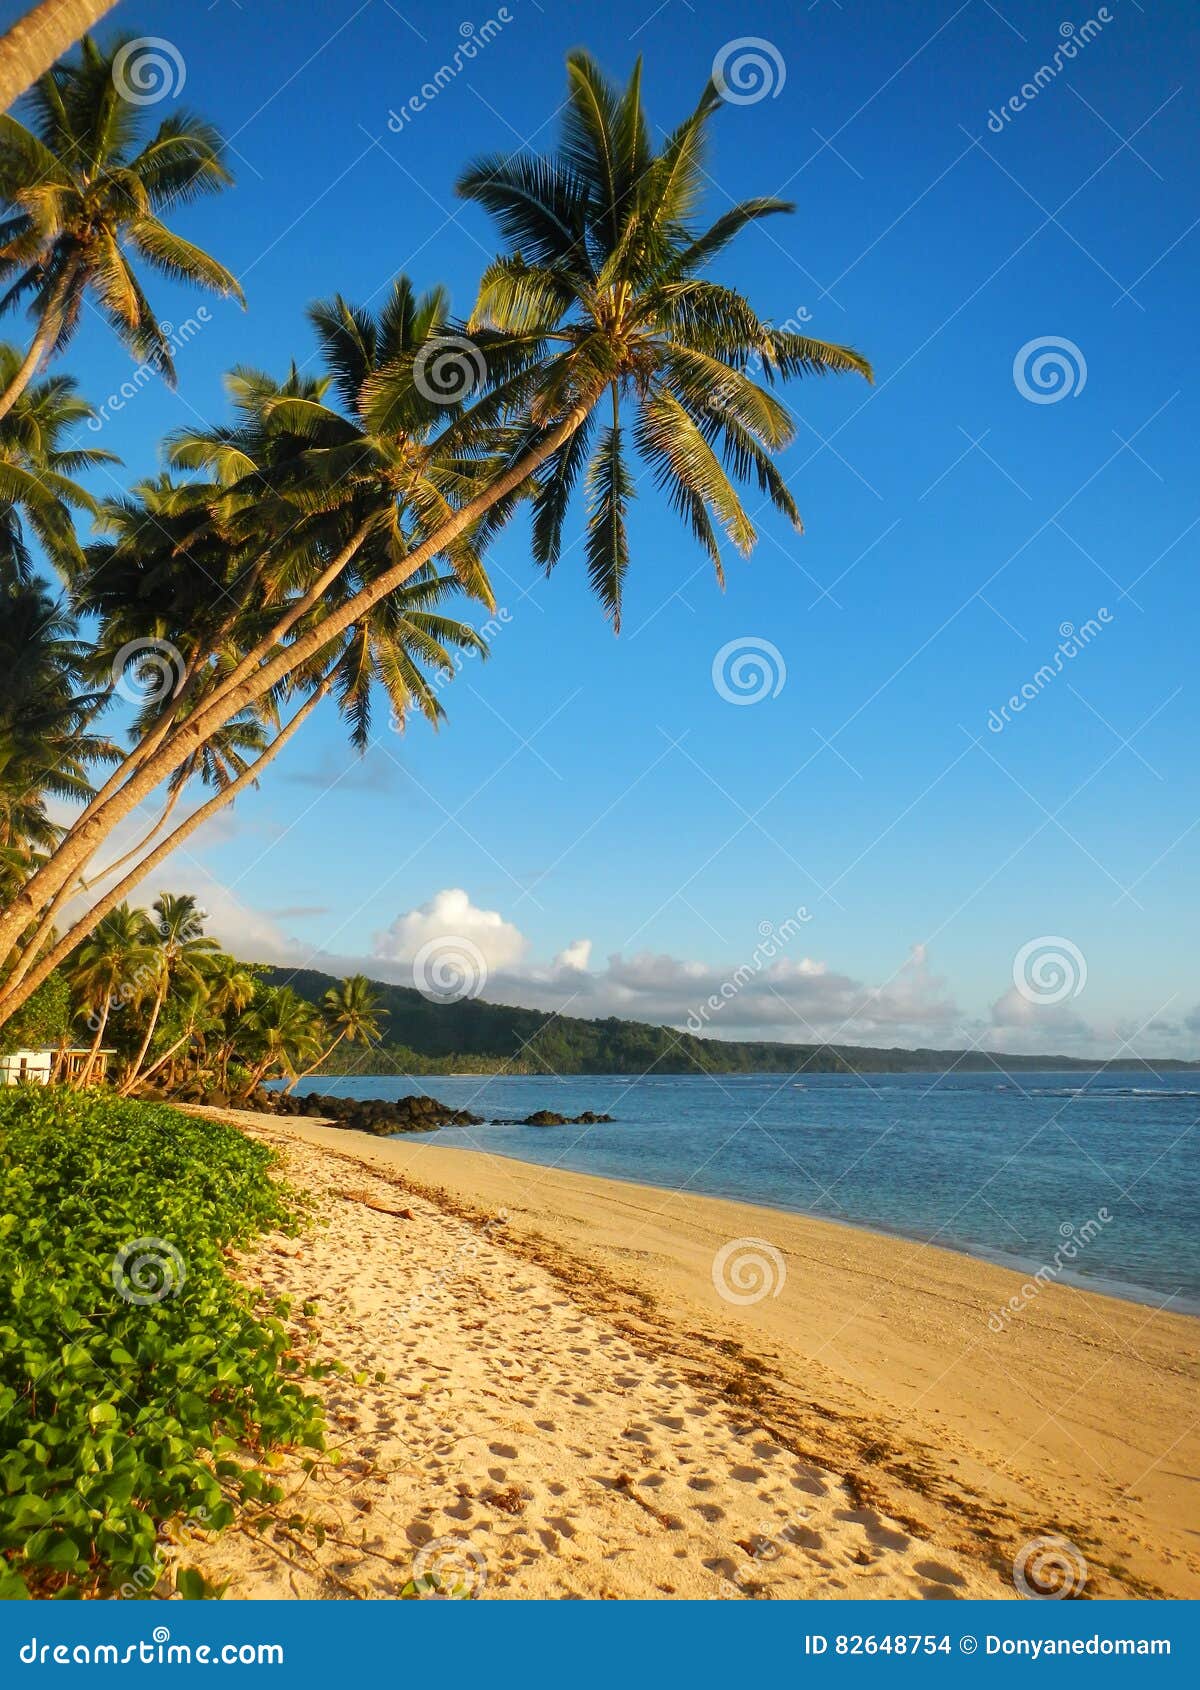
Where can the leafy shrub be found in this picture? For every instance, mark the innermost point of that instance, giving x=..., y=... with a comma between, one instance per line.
x=138, y=1382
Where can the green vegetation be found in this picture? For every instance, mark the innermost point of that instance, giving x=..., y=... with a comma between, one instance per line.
x=181, y=1017
x=304, y=551
x=138, y=1381
x=431, y=1038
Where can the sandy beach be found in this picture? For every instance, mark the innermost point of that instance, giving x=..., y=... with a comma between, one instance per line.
x=547, y=1394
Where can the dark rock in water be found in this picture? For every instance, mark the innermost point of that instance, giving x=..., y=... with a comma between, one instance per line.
x=548, y=1118
x=378, y=1115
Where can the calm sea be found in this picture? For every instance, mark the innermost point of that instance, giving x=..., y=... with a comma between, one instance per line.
x=1011, y=1167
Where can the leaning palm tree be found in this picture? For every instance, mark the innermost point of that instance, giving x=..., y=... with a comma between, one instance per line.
x=181, y=949
x=37, y=463
x=30, y=47
x=601, y=306
x=110, y=969
x=281, y=1031
x=84, y=189
x=230, y=987
x=352, y=1007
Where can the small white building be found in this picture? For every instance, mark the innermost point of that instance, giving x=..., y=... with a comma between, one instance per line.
x=35, y=1067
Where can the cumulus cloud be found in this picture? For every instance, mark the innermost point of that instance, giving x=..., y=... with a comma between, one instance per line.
x=451, y=915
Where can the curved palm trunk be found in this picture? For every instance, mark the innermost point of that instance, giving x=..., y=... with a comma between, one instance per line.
x=159, y=997
x=84, y=838
x=12, y=1000
x=162, y=1061
x=39, y=346
x=91, y=1061
x=43, y=35
x=323, y=1058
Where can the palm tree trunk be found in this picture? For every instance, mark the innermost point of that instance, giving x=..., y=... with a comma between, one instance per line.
x=131, y=1078
x=43, y=35
x=85, y=836
x=11, y=1000
x=317, y=1064
x=162, y=1061
x=41, y=343
x=91, y=1061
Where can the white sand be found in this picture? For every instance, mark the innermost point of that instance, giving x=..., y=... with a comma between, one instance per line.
x=562, y=1405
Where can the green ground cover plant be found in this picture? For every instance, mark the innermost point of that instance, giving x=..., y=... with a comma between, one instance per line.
x=140, y=1383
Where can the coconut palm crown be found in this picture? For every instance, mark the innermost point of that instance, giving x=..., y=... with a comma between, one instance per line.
x=85, y=188
x=606, y=268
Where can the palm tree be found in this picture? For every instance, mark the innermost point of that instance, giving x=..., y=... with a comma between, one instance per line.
x=181, y=951
x=353, y=1008
x=47, y=746
x=231, y=988
x=602, y=301
x=84, y=189
x=111, y=967
x=33, y=43
x=36, y=467
x=282, y=1031
x=606, y=267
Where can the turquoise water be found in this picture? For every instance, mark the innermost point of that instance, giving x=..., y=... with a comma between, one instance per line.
x=1012, y=1167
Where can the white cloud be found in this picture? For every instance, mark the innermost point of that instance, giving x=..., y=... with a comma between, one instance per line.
x=451, y=915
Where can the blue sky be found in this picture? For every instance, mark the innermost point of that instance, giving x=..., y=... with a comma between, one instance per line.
x=586, y=787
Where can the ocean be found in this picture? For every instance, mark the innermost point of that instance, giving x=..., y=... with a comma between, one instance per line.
x=1095, y=1177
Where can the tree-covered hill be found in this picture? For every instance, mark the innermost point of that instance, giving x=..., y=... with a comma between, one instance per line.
x=420, y=1035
